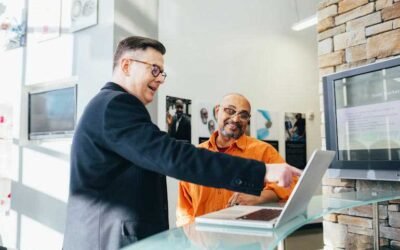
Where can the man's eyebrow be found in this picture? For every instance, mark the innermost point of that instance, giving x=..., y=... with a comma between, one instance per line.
x=231, y=106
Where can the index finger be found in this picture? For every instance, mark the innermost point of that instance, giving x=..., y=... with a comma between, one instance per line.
x=296, y=171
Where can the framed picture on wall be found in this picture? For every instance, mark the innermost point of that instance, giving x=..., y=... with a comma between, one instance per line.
x=12, y=24
x=83, y=14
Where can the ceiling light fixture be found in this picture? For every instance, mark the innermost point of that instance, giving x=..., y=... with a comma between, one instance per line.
x=305, y=23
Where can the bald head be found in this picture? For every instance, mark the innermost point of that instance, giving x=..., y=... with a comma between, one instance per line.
x=236, y=99
x=233, y=116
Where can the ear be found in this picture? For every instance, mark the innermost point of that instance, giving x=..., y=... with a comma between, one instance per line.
x=217, y=109
x=124, y=65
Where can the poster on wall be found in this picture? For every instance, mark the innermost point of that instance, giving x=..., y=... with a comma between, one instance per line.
x=12, y=24
x=45, y=19
x=295, y=139
x=178, y=118
x=208, y=119
x=83, y=14
x=267, y=126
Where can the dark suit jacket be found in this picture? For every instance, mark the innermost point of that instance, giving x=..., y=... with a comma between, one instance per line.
x=184, y=131
x=119, y=160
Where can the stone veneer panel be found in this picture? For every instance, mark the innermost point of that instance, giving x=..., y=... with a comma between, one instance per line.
x=327, y=12
x=356, y=53
x=380, y=4
x=396, y=23
x=391, y=12
x=326, y=3
x=334, y=234
x=379, y=28
x=347, y=5
x=384, y=45
x=325, y=46
x=360, y=11
x=325, y=24
x=348, y=39
x=331, y=59
x=355, y=221
x=364, y=21
x=332, y=32
x=362, y=32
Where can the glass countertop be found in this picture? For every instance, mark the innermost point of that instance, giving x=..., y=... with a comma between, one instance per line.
x=202, y=236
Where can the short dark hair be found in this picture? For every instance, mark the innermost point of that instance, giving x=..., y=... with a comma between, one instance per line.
x=135, y=43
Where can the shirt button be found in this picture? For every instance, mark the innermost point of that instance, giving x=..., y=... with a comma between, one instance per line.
x=238, y=181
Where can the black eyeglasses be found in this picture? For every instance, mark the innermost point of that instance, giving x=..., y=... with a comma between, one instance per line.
x=155, y=69
x=243, y=115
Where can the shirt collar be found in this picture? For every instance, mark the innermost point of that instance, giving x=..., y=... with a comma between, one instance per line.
x=240, y=143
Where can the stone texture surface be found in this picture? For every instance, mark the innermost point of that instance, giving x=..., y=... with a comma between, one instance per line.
x=380, y=21
x=338, y=182
x=327, y=12
x=391, y=12
x=394, y=207
x=325, y=46
x=378, y=28
x=334, y=234
x=349, y=39
x=366, y=211
x=360, y=230
x=331, y=59
x=335, y=190
x=353, y=14
x=364, y=21
x=380, y=4
x=356, y=53
x=396, y=23
x=394, y=219
x=390, y=233
x=355, y=221
x=331, y=32
x=395, y=243
x=347, y=5
x=325, y=24
x=331, y=217
x=377, y=185
x=326, y=71
x=357, y=241
x=384, y=45
x=326, y=3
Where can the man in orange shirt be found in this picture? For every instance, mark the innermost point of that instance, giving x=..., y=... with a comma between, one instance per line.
x=233, y=117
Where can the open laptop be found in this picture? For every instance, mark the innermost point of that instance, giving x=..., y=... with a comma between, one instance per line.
x=272, y=217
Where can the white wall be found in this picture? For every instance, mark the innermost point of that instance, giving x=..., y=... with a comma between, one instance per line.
x=41, y=175
x=218, y=47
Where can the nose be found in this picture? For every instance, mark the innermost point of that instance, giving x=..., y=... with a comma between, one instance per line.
x=235, y=117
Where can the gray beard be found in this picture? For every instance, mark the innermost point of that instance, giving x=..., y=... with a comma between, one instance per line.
x=231, y=135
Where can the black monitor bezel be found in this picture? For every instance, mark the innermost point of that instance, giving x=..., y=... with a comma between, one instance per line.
x=56, y=134
x=331, y=125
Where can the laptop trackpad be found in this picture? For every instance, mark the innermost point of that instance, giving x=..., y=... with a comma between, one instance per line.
x=264, y=214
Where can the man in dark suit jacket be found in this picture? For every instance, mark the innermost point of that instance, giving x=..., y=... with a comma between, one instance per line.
x=180, y=127
x=119, y=159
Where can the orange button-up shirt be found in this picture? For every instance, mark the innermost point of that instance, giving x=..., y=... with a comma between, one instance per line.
x=195, y=200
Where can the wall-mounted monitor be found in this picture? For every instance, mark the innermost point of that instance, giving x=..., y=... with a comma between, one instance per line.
x=52, y=111
x=362, y=120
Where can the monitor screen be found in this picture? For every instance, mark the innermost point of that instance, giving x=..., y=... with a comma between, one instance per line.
x=362, y=121
x=368, y=115
x=52, y=113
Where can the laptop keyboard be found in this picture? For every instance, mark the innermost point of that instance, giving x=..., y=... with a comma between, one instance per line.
x=264, y=214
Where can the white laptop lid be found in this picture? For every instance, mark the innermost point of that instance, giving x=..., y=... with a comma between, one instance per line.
x=307, y=185
x=296, y=205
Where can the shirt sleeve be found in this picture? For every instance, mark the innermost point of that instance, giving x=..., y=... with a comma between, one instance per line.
x=184, y=208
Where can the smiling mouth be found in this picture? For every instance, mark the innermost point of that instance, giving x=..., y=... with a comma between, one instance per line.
x=152, y=88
